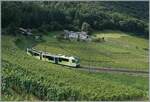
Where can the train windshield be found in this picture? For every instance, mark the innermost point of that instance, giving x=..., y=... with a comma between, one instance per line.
x=76, y=60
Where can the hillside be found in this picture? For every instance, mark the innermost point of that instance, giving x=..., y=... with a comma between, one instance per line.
x=70, y=84
x=120, y=50
x=110, y=62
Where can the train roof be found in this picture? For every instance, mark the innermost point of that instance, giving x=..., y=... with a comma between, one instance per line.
x=59, y=55
x=48, y=54
x=34, y=50
x=69, y=57
x=54, y=55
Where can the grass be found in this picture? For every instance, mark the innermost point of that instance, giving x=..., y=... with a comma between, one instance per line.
x=110, y=34
x=90, y=86
x=125, y=51
x=17, y=96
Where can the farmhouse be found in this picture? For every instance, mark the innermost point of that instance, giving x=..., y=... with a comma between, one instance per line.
x=76, y=35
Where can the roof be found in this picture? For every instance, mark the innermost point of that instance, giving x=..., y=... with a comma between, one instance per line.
x=49, y=54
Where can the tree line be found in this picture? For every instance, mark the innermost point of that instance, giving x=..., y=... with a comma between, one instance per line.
x=46, y=16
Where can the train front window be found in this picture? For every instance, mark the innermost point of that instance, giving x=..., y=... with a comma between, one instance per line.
x=73, y=61
x=77, y=60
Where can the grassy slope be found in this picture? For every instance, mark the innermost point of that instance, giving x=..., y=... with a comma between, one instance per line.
x=75, y=78
x=119, y=51
x=18, y=96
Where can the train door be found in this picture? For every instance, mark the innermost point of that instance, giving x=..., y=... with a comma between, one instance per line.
x=56, y=60
x=41, y=56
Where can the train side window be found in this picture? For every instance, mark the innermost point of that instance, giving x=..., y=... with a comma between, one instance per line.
x=50, y=58
x=63, y=59
x=35, y=54
x=44, y=56
x=60, y=60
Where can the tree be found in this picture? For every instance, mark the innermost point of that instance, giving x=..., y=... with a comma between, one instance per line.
x=75, y=16
x=85, y=27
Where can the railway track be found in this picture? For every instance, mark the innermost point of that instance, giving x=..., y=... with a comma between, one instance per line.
x=100, y=69
x=96, y=69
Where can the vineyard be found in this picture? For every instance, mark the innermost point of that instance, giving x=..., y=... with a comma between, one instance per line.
x=50, y=89
x=39, y=80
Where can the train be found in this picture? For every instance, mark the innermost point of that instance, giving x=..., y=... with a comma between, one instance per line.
x=56, y=59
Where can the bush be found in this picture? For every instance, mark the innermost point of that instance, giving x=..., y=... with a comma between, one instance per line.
x=60, y=37
x=99, y=39
x=44, y=28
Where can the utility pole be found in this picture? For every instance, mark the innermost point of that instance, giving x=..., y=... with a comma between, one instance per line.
x=89, y=63
x=45, y=52
x=89, y=59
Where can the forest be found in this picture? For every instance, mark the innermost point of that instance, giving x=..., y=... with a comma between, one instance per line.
x=53, y=16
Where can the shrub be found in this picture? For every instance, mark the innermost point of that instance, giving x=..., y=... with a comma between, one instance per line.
x=99, y=39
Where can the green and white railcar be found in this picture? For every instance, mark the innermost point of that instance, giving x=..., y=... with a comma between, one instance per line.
x=57, y=59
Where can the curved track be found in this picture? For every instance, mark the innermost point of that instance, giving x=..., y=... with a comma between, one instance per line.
x=117, y=70
x=96, y=69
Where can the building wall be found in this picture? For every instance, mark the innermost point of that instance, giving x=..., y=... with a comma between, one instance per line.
x=75, y=35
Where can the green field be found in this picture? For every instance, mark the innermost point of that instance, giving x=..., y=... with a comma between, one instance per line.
x=118, y=51
x=39, y=80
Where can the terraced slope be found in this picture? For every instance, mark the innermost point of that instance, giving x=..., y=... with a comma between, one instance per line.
x=119, y=50
x=47, y=81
